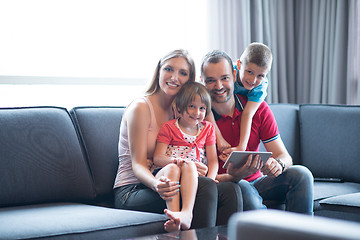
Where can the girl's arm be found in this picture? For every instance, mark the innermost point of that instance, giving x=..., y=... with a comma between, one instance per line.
x=212, y=161
x=160, y=158
x=245, y=126
x=221, y=143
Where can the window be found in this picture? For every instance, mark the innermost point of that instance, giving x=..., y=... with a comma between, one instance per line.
x=91, y=52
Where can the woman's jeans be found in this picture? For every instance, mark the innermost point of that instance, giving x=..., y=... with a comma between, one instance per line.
x=294, y=187
x=214, y=203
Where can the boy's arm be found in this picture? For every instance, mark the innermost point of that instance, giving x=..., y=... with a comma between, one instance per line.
x=212, y=161
x=221, y=143
x=245, y=126
x=160, y=158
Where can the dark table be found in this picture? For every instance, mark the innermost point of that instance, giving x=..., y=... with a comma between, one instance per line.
x=211, y=233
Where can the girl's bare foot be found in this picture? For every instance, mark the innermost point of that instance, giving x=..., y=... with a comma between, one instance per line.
x=172, y=225
x=177, y=221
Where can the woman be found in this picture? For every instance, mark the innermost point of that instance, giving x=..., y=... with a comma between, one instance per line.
x=136, y=188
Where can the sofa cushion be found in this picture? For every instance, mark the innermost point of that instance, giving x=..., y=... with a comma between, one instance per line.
x=41, y=158
x=328, y=189
x=99, y=129
x=286, y=116
x=350, y=200
x=329, y=137
x=69, y=220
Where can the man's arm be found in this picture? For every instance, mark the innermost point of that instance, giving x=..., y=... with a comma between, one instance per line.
x=273, y=166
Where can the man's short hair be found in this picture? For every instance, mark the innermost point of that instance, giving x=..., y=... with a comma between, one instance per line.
x=215, y=56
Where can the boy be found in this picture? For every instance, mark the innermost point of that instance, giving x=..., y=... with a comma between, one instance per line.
x=251, y=70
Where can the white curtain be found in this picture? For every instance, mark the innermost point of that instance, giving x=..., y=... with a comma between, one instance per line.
x=315, y=44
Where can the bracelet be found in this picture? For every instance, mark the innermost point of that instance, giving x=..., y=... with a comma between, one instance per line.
x=281, y=163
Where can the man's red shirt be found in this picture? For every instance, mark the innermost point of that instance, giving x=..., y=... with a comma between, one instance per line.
x=264, y=128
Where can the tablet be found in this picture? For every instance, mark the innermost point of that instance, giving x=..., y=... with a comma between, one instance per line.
x=239, y=158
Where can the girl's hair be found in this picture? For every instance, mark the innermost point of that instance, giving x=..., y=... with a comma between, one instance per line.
x=154, y=84
x=188, y=93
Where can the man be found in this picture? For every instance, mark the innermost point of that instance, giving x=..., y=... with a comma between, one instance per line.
x=277, y=180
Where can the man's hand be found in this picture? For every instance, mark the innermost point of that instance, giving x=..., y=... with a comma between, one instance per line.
x=251, y=166
x=272, y=168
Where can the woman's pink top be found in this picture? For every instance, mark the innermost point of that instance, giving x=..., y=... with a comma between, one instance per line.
x=125, y=174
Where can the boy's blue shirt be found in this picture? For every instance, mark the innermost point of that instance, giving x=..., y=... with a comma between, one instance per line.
x=257, y=94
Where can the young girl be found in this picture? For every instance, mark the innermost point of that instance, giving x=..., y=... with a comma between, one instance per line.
x=252, y=68
x=184, y=142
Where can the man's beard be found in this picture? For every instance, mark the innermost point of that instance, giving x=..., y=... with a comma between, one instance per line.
x=216, y=99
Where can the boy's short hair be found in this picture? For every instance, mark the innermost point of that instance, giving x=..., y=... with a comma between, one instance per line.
x=188, y=93
x=259, y=54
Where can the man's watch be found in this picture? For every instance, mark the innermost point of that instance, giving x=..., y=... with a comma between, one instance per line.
x=281, y=163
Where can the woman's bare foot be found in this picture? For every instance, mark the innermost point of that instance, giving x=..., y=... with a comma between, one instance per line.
x=177, y=221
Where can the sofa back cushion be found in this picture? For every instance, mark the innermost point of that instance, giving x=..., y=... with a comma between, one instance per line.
x=286, y=116
x=329, y=140
x=99, y=129
x=41, y=158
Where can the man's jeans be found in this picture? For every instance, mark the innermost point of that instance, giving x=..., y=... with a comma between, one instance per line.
x=294, y=187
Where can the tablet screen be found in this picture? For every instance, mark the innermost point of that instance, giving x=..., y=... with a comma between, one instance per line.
x=239, y=158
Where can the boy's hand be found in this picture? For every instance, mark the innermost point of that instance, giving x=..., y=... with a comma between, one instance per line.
x=222, y=144
x=223, y=157
x=239, y=148
x=229, y=150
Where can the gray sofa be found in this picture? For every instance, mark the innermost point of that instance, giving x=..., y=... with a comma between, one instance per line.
x=57, y=169
x=56, y=176
x=324, y=138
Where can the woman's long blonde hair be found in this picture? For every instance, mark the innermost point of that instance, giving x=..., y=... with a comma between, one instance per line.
x=154, y=85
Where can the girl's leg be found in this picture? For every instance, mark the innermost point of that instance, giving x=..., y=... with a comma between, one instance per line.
x=189, y=183
x=171, y=171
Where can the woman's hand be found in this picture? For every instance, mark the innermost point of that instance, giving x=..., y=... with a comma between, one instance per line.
x=201, y=168
x=166, y=189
